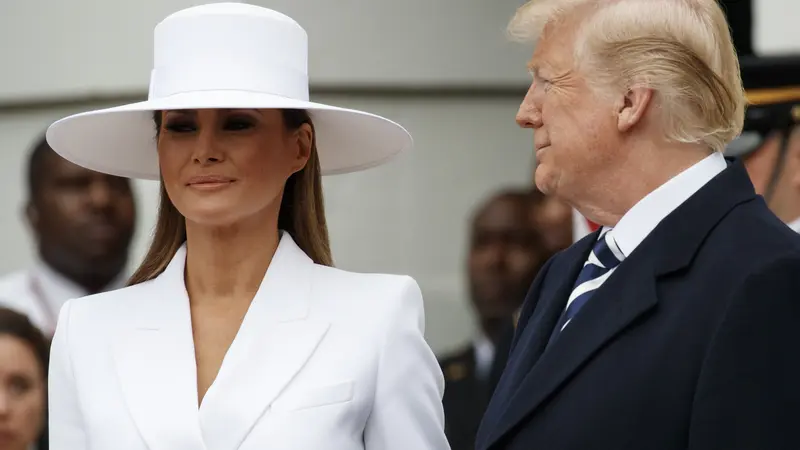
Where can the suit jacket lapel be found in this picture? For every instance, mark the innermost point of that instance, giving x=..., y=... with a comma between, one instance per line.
x=537, y=332
x=531, y=342
x=607, y=314
x=275, y=340
x=154, y=359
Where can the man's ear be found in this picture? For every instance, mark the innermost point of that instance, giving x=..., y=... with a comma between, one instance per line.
x=631, y=107
x=31, y=215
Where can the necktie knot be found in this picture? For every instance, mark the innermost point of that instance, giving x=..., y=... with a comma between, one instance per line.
x=605, y=253
x=603, y=260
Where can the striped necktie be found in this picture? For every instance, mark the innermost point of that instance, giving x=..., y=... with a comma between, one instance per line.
x=602, y=261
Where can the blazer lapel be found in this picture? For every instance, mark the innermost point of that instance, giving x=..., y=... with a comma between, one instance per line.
x=155, y=363
x=275, y=340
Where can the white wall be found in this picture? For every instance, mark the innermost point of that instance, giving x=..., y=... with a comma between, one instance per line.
x=407, y=217
x=100, y=46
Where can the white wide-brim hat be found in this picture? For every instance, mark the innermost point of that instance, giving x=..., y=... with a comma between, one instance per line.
x=224, y=55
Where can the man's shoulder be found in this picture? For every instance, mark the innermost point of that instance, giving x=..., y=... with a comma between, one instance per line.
x=15, y=289
x=13, y=281
x=751, y=237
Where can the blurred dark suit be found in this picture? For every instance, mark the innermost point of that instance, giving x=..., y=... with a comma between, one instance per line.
x=467, y=394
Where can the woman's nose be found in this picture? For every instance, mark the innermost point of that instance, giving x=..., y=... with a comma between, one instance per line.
x=207, y=147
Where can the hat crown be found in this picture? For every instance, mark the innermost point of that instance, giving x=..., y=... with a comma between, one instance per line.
x=229, y=46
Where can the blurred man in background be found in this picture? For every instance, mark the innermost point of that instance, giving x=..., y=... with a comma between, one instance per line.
x=83, y=224
x=506, y=252
x=770, y=142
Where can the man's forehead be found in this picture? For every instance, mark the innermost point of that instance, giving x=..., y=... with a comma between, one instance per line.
x=503, y=212
x=547, y=61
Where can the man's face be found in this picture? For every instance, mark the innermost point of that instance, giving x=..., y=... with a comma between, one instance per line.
x=84, y=220
x=505, y=255
x=573, y=126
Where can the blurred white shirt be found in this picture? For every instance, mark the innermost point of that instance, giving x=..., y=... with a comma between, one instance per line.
x=40, y=292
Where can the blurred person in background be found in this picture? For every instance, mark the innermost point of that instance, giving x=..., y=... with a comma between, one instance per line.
x=82, y=223
x=553, y=218
x=770, y=142
x=507, y=248
x=23, y=383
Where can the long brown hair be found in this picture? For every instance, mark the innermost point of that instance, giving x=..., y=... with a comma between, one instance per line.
x=302, y=212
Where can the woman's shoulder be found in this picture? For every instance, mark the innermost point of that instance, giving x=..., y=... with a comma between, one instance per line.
x=105, y=306
x=365, y=292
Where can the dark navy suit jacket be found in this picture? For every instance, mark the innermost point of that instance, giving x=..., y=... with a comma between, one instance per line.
x=693, y=343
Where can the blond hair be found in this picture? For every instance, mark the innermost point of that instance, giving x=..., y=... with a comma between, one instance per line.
x=681, y=49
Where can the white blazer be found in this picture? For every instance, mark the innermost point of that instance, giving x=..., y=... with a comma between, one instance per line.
x=324, y=360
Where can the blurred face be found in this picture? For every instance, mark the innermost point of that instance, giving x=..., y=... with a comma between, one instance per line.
x=83, y=220
x=572, y=126
x=554, y=219
x=760, y=166
x=22, y=394
x=223, y=166
x=505, y=255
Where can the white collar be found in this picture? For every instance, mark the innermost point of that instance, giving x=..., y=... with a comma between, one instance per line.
x=795, y=225
x=484, y=355
x=645, y=215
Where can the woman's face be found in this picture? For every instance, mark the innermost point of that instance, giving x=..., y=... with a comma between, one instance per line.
x=222, y=166
x=22, y=394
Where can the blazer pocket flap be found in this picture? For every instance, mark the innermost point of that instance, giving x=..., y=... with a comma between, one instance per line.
x=313, y=397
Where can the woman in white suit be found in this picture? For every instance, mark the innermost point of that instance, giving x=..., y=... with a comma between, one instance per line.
x=236, y=332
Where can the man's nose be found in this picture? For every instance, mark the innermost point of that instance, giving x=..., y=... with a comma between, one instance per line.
x=495, y=256
x=5, y=402
x=529, y=115
x=100, y=194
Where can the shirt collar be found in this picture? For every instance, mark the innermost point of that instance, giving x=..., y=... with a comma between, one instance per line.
x=484, y=354
x=645, y=215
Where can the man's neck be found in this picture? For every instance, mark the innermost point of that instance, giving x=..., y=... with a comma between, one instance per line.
x=91, y=280
x=229, y=263
x=632, y=180
x=493, y=329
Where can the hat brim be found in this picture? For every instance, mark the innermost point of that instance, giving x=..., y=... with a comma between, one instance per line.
x=121, y=140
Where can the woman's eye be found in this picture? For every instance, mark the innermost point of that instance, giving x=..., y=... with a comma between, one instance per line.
x=238, y=123
x=179, y=126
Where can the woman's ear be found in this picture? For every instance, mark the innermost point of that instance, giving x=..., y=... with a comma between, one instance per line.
x=304, y=142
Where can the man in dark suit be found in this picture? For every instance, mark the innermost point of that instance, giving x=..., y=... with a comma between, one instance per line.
x=676, y=325
x=506, y=251
x=770, y=143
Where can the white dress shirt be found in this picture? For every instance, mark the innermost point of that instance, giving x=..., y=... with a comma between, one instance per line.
x=795, y=225
x=40, y=292
x=645, y=215
x=484, y=355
